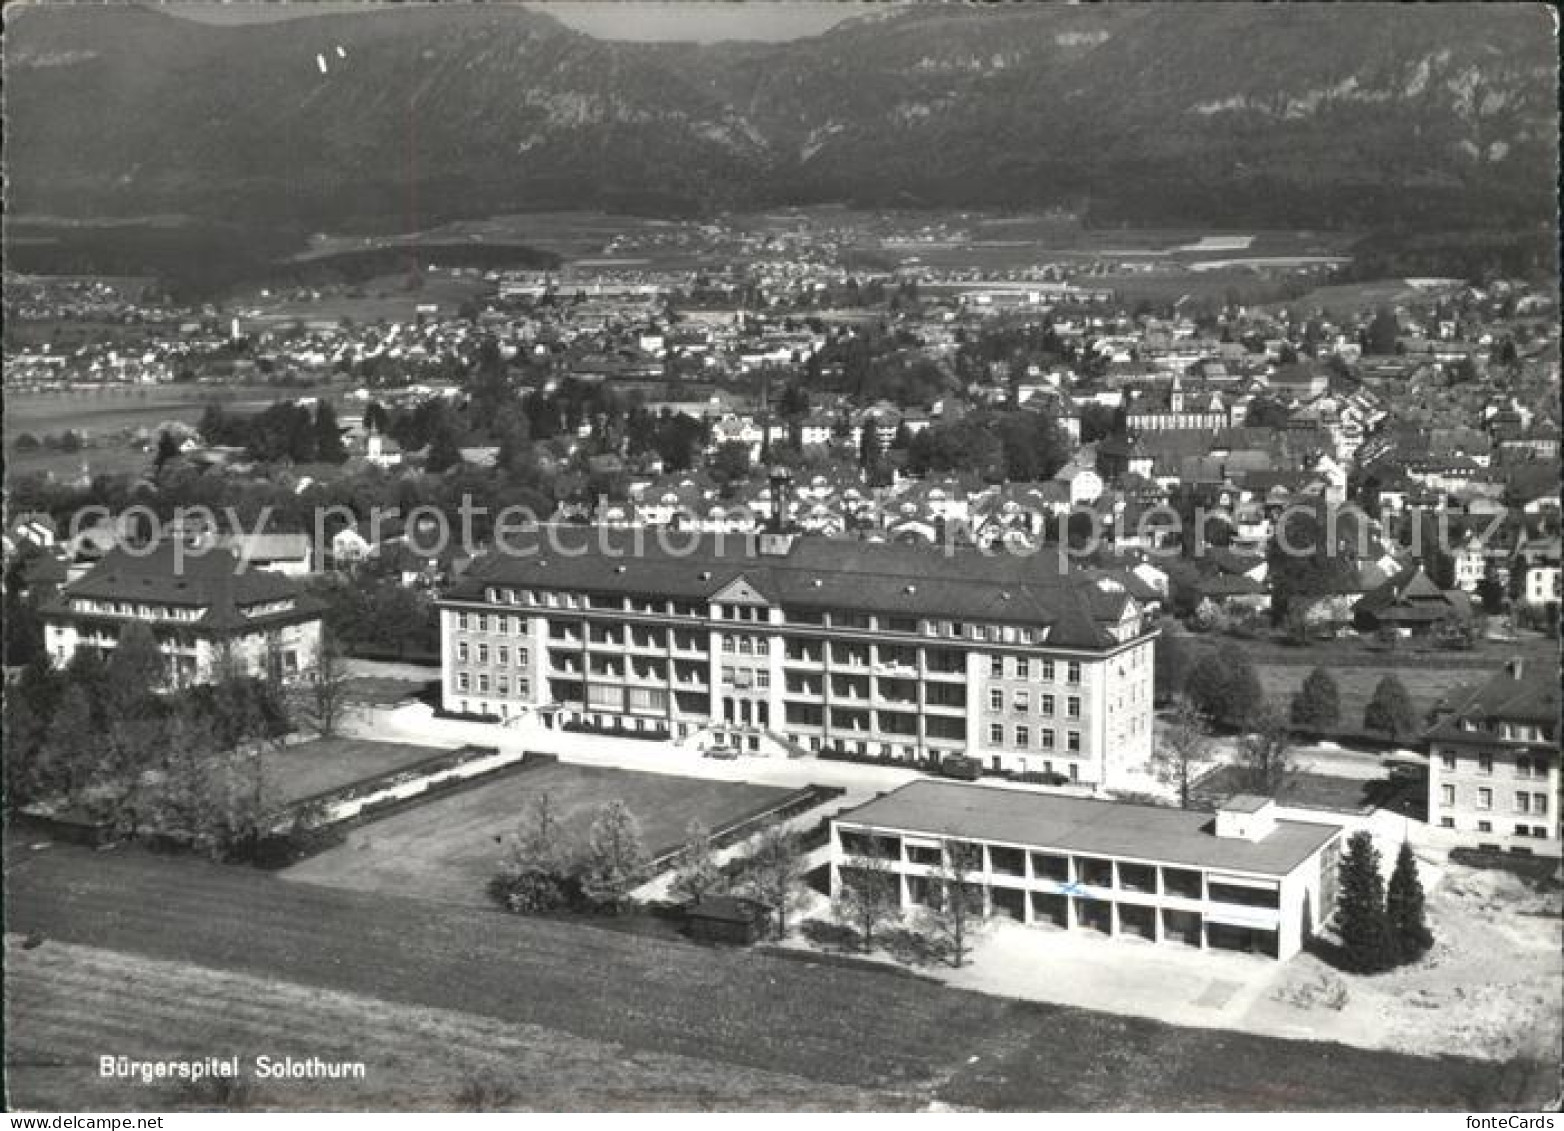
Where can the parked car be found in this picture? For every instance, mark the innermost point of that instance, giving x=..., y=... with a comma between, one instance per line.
x=725, y=753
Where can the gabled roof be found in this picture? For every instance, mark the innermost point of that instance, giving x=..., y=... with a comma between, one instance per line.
x=1519, y=692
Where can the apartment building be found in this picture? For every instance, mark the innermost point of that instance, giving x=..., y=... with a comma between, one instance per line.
x=1493, y=757
x=204, y=610
x=1240, y=880
x=770, y=640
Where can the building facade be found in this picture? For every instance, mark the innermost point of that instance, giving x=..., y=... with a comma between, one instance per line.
x=205, y=611
x=1243, y=880
x=809, y=644
x=1493, y=764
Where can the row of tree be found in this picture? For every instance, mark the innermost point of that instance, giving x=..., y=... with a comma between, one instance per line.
x=1380, y=928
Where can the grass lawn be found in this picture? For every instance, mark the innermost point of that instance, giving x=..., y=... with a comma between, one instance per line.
x=1356, y=686
x=1309, y=790
x=447, y=849
x=851, y=1028
x=325, y=763
x=383, y=689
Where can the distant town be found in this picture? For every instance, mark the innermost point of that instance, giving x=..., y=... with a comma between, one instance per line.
x=1178, y=609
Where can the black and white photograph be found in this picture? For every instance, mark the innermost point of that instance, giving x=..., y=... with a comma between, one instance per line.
x=781, y=556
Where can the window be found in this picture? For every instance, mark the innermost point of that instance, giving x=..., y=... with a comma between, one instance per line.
x=996, y=734
x=1485, y=763
x=461, y=621
x=1048, y=743
x=1023, y=670
x=502, y=655
x=461, y=681
x=1447, y=822
x=1023, y=737
x=996, y=700
x=483, y=623
x=763, y=680
x=521, y=657
x=1047, y=671
x=483, y=683
x=1021, y=703
x=1072, y=707
x=502, y=685
x=1482, y=826
x=1447, y=795
x=483, y=653
x=1523, y=803
x=1072, y=742
x=461, y=651
x=1523, y=767
x=1485, y=799
x=996, y=668
x=1539, y=803
x=727, y=644
x=1045, y=704
x=1073, y=672
x=1447, y=761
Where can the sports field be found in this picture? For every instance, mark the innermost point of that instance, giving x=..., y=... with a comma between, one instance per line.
x=448, y=848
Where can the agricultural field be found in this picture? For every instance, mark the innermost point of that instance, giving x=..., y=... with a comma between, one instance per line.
x=448, y=848
x=1356, y=685
x=843, y=1028
x=307, y=768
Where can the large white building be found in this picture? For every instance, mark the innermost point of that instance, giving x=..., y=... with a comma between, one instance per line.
x=203, y=608
x=1493, y=762
x=770, y=641
x=1239, y=880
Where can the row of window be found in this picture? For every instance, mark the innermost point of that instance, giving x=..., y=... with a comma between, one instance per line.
x=757, y=678
x=956, y=630
x=1525, y=767
x=999, y=667
x=500, y=683
x=1539, y=832
x=502, y=654
x=479, y=622
x=1523, y=802
x=1022, y=738
x=1020, y=703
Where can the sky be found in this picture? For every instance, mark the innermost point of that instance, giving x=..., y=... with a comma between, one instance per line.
x=702, y=21
x=647, y=21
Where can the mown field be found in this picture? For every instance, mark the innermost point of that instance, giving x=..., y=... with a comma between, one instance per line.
x=449, y=848
x=68, y=1005
x=308, y=768
x=845, y=1028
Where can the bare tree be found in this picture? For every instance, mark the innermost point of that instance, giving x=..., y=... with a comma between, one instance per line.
x=869, y=896
x=1183, y=747
x=696, y=874
x=614, y=857
x=955, y=907
x=535, y=873
x=773, y=871
x=326, y=687
x=1266, y=752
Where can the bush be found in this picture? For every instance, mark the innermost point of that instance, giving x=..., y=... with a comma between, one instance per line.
x=830, y=936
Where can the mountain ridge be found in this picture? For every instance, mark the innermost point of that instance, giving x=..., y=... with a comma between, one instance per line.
x=1392, y=116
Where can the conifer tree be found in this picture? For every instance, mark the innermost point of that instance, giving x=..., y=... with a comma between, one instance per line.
x=1404, y=908
x=1361, y=921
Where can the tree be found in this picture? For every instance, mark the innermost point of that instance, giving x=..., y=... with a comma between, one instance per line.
x=1182, y=748
x=1317, y=706
x=1404, y=907
x=868, y=896
x=1389, y=711
x=1224, y=686
x=1382, y=333
x=1265, y=752
x=444, y=450
x=1366, y=937
x=696, y=872
x=955, y=907
x=136, y=669
x=328, y=434
x=731, y=463
x=327, y=685
x=772, y=872
x=217, y=801
x=376, y=418
x=535, y=872
x=868, y=445
x=614, y=856
x=1172, y=657
x=68, y=755
x=167, y=451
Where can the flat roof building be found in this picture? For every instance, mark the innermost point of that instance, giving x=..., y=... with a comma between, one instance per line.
x=1239, y=879
x=810, y=644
